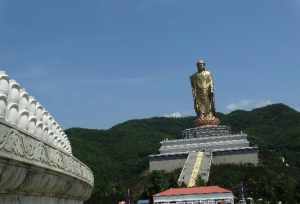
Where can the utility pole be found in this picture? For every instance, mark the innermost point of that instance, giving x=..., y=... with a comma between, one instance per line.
x=128, y=201
x=242, y=200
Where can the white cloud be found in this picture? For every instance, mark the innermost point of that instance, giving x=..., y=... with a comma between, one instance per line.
x=174, y=115
x=248, y=104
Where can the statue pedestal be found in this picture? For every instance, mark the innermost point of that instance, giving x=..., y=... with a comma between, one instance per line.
x=206, y=131
x=199, y=122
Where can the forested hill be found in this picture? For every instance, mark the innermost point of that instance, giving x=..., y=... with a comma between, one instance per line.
x=118, y=156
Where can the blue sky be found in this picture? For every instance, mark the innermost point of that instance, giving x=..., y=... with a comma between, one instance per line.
x=97, y=63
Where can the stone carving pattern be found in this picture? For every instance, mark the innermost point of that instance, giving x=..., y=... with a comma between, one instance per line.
x=18, y=108
x=20, y=146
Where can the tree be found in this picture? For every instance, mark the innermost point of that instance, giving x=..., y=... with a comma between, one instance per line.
x=200, y=182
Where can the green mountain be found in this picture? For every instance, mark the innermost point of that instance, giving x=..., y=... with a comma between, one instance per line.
x=118, y=156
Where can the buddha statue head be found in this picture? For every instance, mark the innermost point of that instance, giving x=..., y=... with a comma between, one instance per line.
x=201, y=65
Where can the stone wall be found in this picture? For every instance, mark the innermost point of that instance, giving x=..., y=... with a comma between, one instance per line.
x=203, y=139
x=167, y=163
x=29, y=167
x=207, y=146
x=238, y=157
x=170, y=162
x=21, y=199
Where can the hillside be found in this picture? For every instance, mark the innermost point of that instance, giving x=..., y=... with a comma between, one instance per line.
x=118, y=156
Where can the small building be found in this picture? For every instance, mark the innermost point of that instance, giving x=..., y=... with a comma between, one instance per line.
x=195, y=195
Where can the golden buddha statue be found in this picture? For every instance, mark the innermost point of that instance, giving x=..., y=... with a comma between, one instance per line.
x=203, y=94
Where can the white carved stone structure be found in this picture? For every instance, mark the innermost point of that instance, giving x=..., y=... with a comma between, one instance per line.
x=36, y=161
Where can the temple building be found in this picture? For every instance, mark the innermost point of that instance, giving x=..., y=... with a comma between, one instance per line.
x=195, y=195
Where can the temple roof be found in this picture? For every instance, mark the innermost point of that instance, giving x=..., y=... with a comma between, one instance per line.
x=193, y=191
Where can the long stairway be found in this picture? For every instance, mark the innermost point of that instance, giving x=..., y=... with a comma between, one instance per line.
x=205, y=167
x=197, y=163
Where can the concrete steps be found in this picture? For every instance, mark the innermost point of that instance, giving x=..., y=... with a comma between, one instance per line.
x=187, y=169
x=197, y=163
x=205, y=167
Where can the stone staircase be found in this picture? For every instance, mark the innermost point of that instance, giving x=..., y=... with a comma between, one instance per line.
x=188, y=168
x=205, y=167
x=197, y=163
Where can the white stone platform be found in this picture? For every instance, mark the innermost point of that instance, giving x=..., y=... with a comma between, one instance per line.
x=221, y=146
x=36, y=161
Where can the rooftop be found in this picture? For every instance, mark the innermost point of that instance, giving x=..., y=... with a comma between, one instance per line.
x=193, y=191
